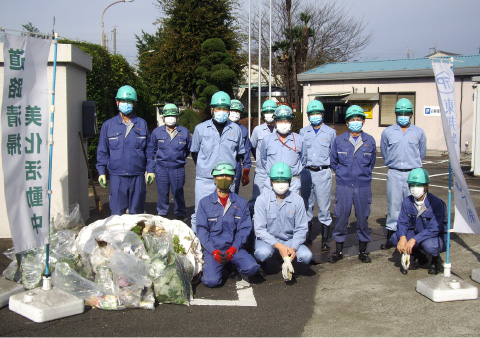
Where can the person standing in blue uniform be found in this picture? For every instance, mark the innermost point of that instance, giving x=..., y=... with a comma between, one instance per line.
x=280, y=220
x=403, y=147
x=317, y=176
x=258, y=133
x=171, y=146
x=284, y=146
x=125, y=150
x=352, y=159
x=236, y=110
x=422, y=223
x=214, y=140
x=223, y=225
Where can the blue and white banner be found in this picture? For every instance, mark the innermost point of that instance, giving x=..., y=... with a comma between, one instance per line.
x=466, y=218
x=24, y=125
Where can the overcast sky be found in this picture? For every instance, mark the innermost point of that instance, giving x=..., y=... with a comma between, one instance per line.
x=396, y=26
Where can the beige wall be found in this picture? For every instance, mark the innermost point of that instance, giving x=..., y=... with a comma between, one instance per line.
x=426, y=95
x=69, y=174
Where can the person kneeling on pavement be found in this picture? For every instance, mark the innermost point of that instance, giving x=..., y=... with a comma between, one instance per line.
x=281, y=222
x=223, y=226
x=422, y=223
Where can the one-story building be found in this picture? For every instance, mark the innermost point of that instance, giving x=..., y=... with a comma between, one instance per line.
x=377, y=85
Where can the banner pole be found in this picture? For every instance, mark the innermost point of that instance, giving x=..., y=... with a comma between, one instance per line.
x=50, y=151
x=448, y=267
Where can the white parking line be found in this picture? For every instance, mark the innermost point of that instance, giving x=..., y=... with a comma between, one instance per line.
x=245, y=297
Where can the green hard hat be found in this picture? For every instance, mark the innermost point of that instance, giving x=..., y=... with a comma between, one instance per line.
x=280, y=171
x=126, y=93
x=354, y=111
x=236, y=105
x=170, y=110
x=315, y=106
x=283, y=112
x=418, y=176
x=269, y=106
x=223, y=168
x=404, y=106
x=220, y=99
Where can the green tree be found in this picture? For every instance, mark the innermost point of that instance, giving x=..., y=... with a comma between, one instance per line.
x=170, y=70
x=213, y=73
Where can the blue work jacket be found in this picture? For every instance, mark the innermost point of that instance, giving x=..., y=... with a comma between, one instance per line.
x=319, y=144
x=430, y=223
x=219, y=228
x=403, y=150
x=124, y=156
x=292, y=152
x=212, y=148
x=280, y=223
x=259, y=132
x=171, y=153
x=246, y=160
x=353, y=164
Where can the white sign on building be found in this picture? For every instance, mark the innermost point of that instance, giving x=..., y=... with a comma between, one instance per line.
x=431, y=111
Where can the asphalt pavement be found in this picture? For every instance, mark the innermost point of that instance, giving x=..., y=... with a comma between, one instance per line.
x=348, y=298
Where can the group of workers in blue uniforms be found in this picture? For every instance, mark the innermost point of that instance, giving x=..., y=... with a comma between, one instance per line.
x=292, y=170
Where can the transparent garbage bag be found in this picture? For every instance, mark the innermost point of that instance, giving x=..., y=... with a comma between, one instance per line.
x=148, y=299
x=10, y=254
x=70, y=281
x=12, y=273
x=69, y=219
x=172, y=285
x=131, y=270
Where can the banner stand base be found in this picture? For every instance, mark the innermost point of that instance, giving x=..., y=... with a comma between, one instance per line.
x=7, y=289
x=41, y=305
x=446, y=289
x=476, y=275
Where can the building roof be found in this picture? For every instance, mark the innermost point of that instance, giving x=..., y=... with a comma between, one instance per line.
x=418, y=67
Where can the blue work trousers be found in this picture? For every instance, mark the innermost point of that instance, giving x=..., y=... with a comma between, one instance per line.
x=361, y=198
x=258, y=184
x=238, y=176
x=174, y=179
x=397, y=190
x=203, y=187
x=264, y=252
x=317, y=185
x=212, y=270
x=432, y=246
x=127, y=192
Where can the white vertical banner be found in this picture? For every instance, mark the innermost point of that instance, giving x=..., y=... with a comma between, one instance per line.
x=24, y=122
x=466, y=218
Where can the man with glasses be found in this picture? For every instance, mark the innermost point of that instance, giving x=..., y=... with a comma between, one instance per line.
x=125, y=149
x=352, y=159
x=214, y=140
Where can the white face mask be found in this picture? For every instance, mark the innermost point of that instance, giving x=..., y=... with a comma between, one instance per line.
x=417, y=192
x=234, y=116
x=283, y=128
x=280, y=188
x=170, y=121
x=268, y=118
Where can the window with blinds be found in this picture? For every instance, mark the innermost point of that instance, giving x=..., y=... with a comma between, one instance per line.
x=387, y=107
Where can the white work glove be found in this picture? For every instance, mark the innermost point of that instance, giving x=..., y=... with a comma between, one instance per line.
x=405, y=261
x=150, y=178
x=287, y=268
x=102, y=179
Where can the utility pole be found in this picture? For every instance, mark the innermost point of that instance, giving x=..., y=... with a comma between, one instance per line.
x=114, y=40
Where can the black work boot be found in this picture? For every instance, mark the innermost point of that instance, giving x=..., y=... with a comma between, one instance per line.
x=325, y=231
x=434, y=268
x=338, y=254
x=388, y=243
x=308, y=240
x=362, y=254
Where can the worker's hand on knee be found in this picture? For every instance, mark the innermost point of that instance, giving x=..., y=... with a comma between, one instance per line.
x=245, y=178
x=102, y=179
x=219, y=257
x=229, y=253
x=150, y=178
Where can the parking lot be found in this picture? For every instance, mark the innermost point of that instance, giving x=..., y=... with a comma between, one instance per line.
x=343, y=299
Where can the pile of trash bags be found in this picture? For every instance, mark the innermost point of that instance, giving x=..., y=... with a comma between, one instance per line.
x=128, y=261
